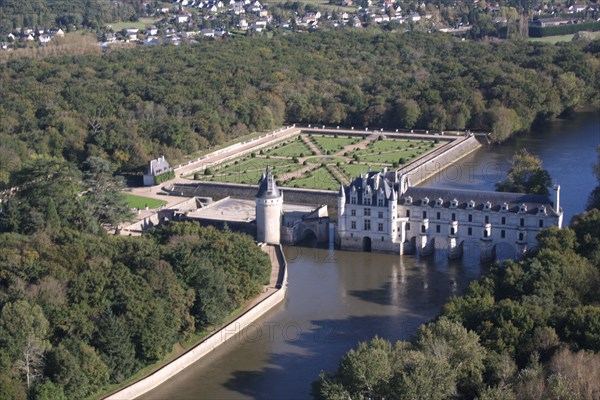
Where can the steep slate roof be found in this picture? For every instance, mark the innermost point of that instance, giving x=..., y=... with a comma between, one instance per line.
x=513, y=200
x=373, y=181
x=267, y=188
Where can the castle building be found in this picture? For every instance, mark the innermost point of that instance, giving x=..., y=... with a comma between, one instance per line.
x=380, y=211
x=269, y=205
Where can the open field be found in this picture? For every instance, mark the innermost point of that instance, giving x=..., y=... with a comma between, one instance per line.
x=294, y=163
x=135, y=201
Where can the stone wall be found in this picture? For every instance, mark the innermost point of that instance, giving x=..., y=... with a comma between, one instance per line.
x=240, y=191
x=432, y=163
x=235, y=329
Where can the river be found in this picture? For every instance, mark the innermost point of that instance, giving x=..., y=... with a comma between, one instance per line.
x=337, y=298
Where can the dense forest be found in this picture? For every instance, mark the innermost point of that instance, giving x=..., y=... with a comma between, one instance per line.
x=47, y=14
x=81, y=309
x=131, y=105
x=529, y=330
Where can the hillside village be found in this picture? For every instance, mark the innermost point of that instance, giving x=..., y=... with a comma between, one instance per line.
x=186, y=21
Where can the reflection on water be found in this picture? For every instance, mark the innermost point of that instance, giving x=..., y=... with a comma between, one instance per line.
x=335, y=298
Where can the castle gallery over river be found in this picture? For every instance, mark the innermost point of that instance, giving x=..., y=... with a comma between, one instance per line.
x=380, y=210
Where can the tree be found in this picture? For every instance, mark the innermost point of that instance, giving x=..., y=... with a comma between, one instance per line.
x=32, y=361
x=594, y=199
x=407, y=113
x=526, y=175
x=104, y=198
x=450, y=342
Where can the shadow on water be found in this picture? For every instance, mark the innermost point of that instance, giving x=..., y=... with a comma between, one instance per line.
x=305, y=359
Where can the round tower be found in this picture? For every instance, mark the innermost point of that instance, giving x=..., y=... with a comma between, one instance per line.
x=269, y=204
x=341, y=209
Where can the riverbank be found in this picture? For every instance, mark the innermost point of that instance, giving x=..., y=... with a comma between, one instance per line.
x=272, y=295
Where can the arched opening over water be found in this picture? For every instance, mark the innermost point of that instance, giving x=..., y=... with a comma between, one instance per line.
x=308, y=238
x=367, y=244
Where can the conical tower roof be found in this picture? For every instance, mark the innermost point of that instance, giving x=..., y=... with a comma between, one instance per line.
x=267, y=189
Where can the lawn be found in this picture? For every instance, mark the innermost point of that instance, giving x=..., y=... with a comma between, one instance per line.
x=354, y=170
x=296, y=148
x=135, y=201
x=249, y=170
x=333, y=144
x=554, y=39
x=319, y=178
x=141, y=24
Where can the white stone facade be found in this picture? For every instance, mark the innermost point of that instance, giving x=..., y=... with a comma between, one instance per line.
x=269, y=205
x=380, y=212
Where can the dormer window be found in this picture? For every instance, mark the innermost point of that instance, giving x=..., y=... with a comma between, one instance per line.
x=504, y=206
x=487, y=206
x=542, y=210
x=471, y=204
x=522, y=208
x=439, y=202
x=425, y=201
x=454, y=203
x=353, y=200
x=408, y=200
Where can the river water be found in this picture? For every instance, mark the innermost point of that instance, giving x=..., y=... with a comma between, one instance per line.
x=337, y=298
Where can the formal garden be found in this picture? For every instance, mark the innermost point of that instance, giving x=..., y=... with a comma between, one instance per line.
x=320, y=161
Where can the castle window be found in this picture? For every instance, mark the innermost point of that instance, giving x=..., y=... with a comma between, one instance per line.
x=353, y=224
x=471, y=204
x=353, y=212
x=487, y=219
x=437, y=229
x=423, y=228
x=352, y=200
x=521, y=236
x=485, y=233
x=425, y=201
x=454, y=203
x=503, y=234
x=380, y=214
x=503, y=220
x=523, y=208
x=487, y=205
x=367, y=212
x=407, y=213
x=470, y=231
x=380, y=202
x=541, y=224
x=380, y=227
x=452, y=231
x=424, y=214
x=522, y=222
x=408, y=200
x=453, y=216
x=439, y=215
x=439, y=202
x=407, y=226
x=504, y=207
x=470, y=217
x=367, y=201
x=367, y=225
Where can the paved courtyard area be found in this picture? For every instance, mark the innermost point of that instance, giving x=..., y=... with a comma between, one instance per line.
x=238, y=210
